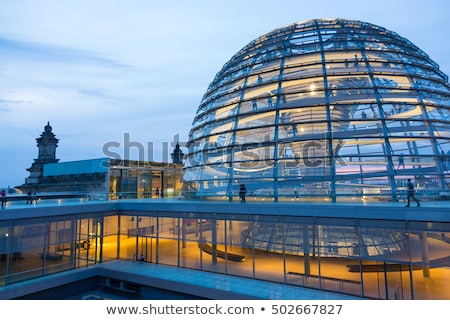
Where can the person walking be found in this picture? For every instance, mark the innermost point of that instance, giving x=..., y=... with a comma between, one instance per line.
x=242, y=192
x=411, y=193
x=3, y=198
x=29, y=197
x=401, y=161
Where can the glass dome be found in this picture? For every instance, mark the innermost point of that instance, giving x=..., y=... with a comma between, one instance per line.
x=322, y=110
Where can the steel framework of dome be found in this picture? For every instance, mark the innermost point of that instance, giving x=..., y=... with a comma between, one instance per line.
x=326, y=108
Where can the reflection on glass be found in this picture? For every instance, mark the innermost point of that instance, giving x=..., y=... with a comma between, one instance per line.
x=357, y=89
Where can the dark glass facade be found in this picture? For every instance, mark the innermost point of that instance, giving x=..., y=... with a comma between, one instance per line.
x=367, y=253
x=326, y=109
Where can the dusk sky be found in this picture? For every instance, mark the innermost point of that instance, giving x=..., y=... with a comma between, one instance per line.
x=100, y=70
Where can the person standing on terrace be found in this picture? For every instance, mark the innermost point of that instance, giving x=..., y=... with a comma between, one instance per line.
x=411, y=193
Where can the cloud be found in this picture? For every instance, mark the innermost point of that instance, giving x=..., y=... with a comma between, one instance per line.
x=10, y=101
x=58, y=82
x=99, y=93
x=14, y=49
x=7, y=102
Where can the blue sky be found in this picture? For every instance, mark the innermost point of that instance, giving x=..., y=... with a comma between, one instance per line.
x=101, y=70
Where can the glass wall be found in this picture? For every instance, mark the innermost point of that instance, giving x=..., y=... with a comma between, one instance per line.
x=379, y=259
x=32, y=248
x=141, y=179
x=376, y=259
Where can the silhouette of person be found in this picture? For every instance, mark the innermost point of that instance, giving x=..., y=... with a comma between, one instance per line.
x=29, y=194
x=411, y=193
x=157, y=192
x=242, y=193
x=269, y=101
x=356, y=63
x=401, y=161
x=443, y=161
x=3, y=196
x=254, y=105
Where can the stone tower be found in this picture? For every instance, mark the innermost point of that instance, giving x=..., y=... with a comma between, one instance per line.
x=47, y=144
x=177, y=155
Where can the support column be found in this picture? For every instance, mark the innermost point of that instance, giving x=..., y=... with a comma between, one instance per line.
x=425, y=254
x=306, y=249
x=183, y=233
x=214, y=240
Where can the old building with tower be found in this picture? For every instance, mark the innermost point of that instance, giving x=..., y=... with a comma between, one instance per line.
x=47, y=144
x=177, y=155
x=101, y=177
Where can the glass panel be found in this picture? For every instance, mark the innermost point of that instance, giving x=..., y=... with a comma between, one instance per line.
x=211, y=242
x=256, y=135
x=257, y=120
x=429, y=253
x=110, y=238
x=375, y=282
x=268, y=241
x=237, y=236
x=25, y=245
x=168, y=244
x=127, y=239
